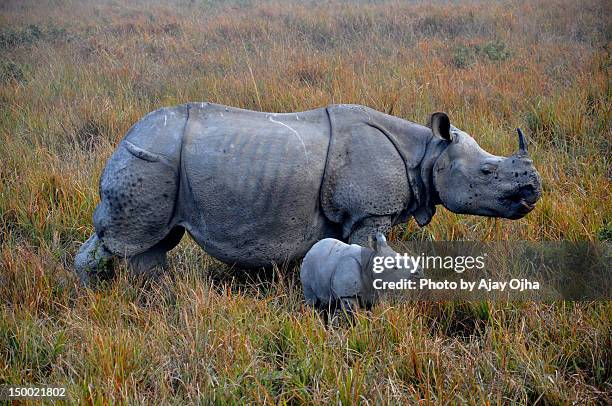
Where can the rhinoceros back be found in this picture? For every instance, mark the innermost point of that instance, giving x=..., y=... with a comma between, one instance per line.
x=250, y=182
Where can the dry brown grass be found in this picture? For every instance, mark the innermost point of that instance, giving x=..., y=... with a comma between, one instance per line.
x=75, y=75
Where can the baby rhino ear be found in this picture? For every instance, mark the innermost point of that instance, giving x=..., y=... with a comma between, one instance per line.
x=440, y=125
x=381, y=241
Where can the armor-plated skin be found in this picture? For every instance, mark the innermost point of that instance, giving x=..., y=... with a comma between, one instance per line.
x=256, y=188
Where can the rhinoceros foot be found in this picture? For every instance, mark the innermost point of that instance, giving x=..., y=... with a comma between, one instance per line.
x=93, y=263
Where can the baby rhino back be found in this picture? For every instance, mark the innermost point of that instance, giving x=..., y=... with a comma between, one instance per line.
x=331, y=270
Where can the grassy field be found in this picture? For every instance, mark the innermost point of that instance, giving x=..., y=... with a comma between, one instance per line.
x=75, y=75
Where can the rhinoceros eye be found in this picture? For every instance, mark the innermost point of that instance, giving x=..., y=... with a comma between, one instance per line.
x=488, y=168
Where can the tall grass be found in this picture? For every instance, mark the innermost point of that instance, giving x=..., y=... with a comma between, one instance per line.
x=75, y=75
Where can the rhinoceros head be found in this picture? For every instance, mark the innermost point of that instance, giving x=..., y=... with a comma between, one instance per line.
x=470, y=180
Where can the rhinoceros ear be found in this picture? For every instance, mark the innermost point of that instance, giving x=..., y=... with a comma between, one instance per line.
x=440, y=125
x=379, y=241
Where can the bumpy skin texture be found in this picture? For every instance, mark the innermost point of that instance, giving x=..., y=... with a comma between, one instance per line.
x=139, y=186
x=369, y=157
x=257, y=188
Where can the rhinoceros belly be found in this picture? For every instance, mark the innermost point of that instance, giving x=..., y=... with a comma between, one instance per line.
x=250, y=182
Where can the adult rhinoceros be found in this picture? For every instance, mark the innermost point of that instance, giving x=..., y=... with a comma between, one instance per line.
x=258, y=188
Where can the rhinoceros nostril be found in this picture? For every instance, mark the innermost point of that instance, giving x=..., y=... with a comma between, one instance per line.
x=529, y=193
x=523, y=193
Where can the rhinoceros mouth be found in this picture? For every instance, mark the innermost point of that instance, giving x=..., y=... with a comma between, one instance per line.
x=520, y=209
x=520, y=206
x=525, y=205
x=522, y=201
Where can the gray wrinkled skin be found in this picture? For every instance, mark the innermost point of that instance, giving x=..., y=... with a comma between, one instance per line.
x=336, y=275
x=256, y=188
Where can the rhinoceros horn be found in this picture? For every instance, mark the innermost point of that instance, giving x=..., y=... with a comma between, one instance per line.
x=522, y=144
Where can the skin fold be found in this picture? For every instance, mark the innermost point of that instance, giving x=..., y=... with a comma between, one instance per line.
x=255, y=188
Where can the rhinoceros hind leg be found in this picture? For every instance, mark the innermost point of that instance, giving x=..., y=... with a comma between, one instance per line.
x=153, y=260
x=93, y=262
x=137, y=202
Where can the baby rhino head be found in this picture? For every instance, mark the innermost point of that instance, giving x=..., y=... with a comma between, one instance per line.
x=387, y=263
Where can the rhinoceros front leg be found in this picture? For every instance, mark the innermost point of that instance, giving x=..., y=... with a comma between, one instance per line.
x=368, y=227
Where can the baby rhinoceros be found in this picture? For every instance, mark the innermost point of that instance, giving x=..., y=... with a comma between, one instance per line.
x=338, y=276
